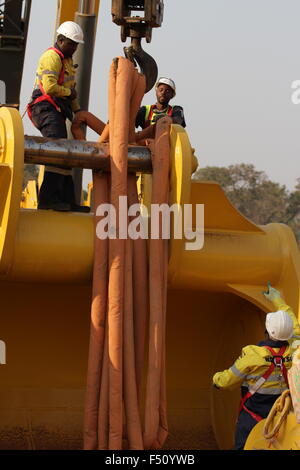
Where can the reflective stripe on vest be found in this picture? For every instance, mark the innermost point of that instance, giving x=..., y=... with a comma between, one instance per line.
x=150, y=114
x=278, y=362
x=45, y=96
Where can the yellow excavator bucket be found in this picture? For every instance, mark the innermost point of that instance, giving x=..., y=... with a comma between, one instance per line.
x=280, y=430
x=215, y=306
x=287, y=438
x=29, y=196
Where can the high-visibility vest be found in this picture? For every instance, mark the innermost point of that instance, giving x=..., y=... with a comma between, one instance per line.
x=45, y=96
x=150, y=114
x=277, y=361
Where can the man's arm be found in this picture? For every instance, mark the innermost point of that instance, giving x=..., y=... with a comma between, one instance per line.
x=140, y=117
x=274, y=296
x=178, y=116
x=74, y=103
x=50, y=68
x=234, y=376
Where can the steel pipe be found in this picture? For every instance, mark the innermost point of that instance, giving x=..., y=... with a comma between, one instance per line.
x=86, y=7
x=81, y=154
x=87, y=20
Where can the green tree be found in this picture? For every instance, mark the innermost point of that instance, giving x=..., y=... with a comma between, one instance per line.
x=255, y=195
x=294, y=211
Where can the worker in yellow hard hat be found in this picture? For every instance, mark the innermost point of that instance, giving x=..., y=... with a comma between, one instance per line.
x=261, y=369
x=54, y=99
x=149, y=114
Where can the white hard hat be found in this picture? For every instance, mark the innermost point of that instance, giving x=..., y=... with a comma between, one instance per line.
x=72, y=31
x=279, y=325
x=167, y=81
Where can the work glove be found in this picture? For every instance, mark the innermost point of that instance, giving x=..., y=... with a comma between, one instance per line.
x=272, y=293
x=73, y=94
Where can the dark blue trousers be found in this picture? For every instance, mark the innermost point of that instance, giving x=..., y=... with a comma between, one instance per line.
x=244, y=426
x=51, y=123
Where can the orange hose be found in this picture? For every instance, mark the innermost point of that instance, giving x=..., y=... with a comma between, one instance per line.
x=131, y=385
x=116, y=263
x=133, y=424
x=138, y=91
x=98, y=315
x=155, y=412
x=85, y=117
x=147, y=133
x=123, y=290
x=163, y=426
x=141, y=292
x=105, y=134
x=103, y=418
x=140, y=297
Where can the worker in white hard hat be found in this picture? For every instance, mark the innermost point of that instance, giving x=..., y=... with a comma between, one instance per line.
x=54, y=99
x=261, y=370
x=149, y=114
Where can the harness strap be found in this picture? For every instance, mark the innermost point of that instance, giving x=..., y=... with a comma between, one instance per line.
x=61, y=77
x=278, y=361
x=45, y=96
x=254, y=415
x=150, y=111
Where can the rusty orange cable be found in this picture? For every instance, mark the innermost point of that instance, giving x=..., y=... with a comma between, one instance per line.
x=155, y=413
x=122, y=291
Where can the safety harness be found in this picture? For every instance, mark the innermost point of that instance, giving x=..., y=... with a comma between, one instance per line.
x=45, y=96
x=277, y=361
x=150, y=112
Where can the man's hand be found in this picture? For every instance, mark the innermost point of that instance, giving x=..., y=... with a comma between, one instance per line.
x=158, y=116
x=73, y=94
x=271, y=294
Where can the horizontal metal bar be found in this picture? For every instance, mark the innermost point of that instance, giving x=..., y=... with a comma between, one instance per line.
x=81, y=154
x=12, y=36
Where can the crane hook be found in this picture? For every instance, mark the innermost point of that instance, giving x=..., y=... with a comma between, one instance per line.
x=147, y=64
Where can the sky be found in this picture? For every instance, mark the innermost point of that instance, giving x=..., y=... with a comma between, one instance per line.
x=233, y=62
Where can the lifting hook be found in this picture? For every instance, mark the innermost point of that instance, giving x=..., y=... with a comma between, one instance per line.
x=138, y=27
x=147, y=64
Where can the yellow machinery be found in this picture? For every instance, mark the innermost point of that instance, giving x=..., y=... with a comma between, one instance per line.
x=29, y=196
x=280, y=430
x=215, y=305
x=288, y=437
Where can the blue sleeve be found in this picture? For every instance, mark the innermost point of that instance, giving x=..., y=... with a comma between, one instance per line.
x=140, y=117
x=178, y=116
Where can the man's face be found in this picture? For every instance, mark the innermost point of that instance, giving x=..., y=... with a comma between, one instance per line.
x=67, y=46
x=164, y=93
